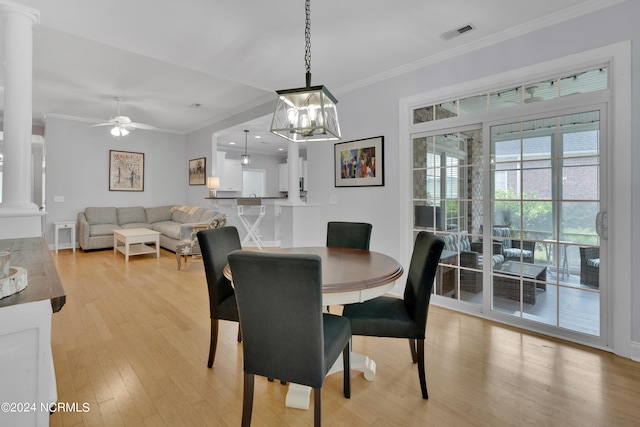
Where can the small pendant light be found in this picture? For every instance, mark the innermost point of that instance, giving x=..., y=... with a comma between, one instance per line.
x=245, y=159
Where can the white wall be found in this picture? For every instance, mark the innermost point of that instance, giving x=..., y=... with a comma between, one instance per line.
x=77, y=168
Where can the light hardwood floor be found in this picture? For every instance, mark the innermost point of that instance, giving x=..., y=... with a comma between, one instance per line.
x=132, y=342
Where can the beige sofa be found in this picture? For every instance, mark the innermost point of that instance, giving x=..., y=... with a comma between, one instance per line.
x=96, y=224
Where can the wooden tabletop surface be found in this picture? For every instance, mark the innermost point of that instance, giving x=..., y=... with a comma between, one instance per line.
x=34, y=255
x=346, y=270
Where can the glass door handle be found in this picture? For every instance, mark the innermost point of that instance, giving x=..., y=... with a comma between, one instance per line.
x=601, y=225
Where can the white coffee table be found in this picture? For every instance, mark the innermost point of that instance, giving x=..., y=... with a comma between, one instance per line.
x=134, y=240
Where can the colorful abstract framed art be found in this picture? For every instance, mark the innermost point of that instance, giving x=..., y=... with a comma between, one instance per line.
x=359, y=163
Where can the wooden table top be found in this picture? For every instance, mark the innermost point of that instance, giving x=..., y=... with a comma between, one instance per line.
x=347, y=270
x=43, y=281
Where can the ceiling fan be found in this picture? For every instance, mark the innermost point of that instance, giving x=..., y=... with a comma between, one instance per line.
x=122, y=125
x=514, y=96
x=531, y=91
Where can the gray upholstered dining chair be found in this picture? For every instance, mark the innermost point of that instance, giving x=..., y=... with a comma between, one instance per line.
x=215, y=245
x=355, y=235
x=403, y=318
x=286, y=335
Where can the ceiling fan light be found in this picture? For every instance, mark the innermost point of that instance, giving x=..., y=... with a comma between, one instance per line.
x=119, y=131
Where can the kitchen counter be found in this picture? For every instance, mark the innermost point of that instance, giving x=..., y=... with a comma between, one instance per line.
x=33, y=254
x=269, y=228
x=26, y=360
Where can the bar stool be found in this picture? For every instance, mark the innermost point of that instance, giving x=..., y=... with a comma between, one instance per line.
x=252, y=229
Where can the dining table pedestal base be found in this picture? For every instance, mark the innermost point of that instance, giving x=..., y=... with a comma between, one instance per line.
x=299, y=396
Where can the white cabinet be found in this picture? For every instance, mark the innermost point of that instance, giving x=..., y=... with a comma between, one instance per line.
x=26, y=363
x=230, y=173
x=283, y=175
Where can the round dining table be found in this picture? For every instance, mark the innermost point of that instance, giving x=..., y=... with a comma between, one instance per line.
x=348, y=276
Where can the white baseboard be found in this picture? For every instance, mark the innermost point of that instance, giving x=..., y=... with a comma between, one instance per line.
x=635, y=351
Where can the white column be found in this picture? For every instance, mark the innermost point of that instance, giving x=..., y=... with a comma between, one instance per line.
x=214, y=155
x=18, y=67
x=293, y=159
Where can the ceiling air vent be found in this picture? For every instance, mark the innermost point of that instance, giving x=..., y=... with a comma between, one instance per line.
x=458, y=31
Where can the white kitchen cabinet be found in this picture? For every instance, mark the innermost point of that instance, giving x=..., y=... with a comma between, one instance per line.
x=230, y=173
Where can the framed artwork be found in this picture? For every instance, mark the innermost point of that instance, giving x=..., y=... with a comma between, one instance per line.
x=126, y=171
x=198, y=171
x=359, y=163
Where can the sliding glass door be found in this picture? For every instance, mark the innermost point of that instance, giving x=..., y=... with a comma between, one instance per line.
x=447, y=199
x=518, y=216
x=544, y=202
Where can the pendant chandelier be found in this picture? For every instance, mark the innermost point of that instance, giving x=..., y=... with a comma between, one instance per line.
x=245, y=159
x=308, y=113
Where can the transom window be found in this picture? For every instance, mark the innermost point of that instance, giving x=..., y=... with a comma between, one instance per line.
x=591, y=80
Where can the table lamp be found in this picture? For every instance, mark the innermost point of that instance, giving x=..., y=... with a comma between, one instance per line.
x=213, y=183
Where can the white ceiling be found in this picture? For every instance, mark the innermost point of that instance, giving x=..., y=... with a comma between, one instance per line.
x=162, y=56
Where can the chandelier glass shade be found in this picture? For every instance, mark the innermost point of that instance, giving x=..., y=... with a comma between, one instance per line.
x=308, y=113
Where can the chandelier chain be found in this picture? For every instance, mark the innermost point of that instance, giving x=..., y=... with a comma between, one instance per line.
x=307, y=36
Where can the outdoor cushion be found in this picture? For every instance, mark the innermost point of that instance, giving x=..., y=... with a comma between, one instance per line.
x=465, y=245
x=516, y=252
x=101, y=215
x=504, y=232
x=495, y=259
x=595, y=262
x=451, y=242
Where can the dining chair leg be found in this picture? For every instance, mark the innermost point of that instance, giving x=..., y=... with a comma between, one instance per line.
x=414, y=355
x=317, y=407
x=247, y=400
x=214, y=342
x=346, y=369
x=421, y=370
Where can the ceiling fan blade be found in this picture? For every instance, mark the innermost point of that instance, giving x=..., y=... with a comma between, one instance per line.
x=123, y=122
x=140, y=126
